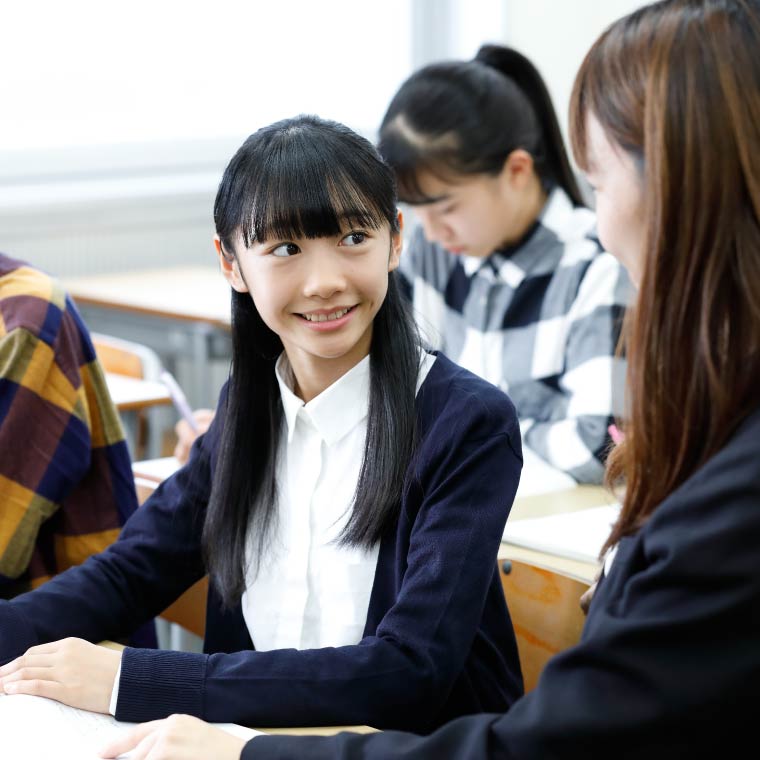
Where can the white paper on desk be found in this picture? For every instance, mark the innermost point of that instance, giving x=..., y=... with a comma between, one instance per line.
x=34, y=728
x=577, y=535
x=539, y=477
x=156, y=469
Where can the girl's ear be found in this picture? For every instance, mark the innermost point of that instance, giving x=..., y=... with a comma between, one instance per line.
x=229, y=266
x=397, y=243
x=518, y=168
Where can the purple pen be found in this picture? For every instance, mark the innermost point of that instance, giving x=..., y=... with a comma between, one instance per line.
x=178, y=397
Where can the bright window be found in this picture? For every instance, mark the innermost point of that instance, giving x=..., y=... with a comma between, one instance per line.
x=86, y=72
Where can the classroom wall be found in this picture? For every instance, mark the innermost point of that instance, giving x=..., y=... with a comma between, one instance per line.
x=75, y=207
x=119, y=119
x=556, y=34
x=102, y=208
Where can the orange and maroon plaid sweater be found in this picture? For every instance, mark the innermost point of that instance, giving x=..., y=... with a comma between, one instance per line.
x=66, y=484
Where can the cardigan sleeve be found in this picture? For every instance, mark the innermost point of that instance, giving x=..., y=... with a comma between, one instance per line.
x=669, y=661
x=402, y=673
x=156, y=557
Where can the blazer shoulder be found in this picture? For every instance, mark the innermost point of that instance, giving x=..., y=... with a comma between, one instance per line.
x=726, y=478
x=709, y=523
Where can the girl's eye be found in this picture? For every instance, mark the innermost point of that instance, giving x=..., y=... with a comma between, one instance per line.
x=285, y=250
x=354, y=238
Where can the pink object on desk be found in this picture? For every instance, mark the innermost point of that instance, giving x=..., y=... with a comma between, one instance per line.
x=615, y=434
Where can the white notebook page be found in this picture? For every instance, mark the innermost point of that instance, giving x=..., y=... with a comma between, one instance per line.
x=34, y=728
x=577, y=535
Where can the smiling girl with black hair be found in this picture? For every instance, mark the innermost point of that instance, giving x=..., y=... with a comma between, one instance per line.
x=347, y=501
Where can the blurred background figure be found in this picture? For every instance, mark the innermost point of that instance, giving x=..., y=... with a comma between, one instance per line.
x=505, y=271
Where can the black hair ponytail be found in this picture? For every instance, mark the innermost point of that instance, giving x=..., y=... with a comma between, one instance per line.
x=466, y=117
x=525, y=75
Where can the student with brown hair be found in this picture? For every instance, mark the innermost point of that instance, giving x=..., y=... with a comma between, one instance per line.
x=665, y=120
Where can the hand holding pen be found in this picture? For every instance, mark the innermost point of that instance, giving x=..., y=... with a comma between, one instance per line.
x=192, y=423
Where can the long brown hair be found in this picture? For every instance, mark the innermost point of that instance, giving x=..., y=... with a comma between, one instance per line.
x=677, y=85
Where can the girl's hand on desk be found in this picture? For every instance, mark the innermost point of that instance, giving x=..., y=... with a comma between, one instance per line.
x=71, y=671
x=179, y=737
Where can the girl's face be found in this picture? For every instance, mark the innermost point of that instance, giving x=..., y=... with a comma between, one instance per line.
x=320, y=296
x=479, y=213
x=617, y=184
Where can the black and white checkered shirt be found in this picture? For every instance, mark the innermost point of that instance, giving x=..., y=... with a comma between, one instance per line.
x=541, y=320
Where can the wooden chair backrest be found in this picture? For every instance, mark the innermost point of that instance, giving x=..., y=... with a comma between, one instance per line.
x=116, y=358
x=546, y=614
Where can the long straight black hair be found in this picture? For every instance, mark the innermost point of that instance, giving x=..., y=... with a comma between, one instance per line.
x=466, y=117
x=304, y=178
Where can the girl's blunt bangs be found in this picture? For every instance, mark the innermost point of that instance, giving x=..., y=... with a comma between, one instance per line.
x=298, y=179
x=292, y=206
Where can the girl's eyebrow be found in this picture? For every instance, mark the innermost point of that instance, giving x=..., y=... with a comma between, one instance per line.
x=434, y=199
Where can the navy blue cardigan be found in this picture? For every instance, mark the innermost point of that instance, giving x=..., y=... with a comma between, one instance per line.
x=438, y=642
x=669, y=662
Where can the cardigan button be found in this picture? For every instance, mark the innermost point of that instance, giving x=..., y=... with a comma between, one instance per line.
x=506, y=567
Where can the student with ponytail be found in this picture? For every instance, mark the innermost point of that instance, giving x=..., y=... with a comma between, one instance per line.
x=665, y=120
x=506, y=274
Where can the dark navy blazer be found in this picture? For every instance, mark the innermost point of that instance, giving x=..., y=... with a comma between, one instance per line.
x=669, y=662
x=438, y=642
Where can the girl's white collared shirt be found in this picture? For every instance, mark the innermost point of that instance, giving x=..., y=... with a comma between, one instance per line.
x=310, y=592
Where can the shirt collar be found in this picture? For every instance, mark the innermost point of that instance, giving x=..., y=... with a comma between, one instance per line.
x=335, y=411
x=471, y=264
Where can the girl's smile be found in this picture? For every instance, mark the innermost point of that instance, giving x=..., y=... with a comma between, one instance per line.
x=325, y=320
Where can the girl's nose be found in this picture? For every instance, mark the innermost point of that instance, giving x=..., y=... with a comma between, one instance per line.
x=431, y=228
x=325, y=276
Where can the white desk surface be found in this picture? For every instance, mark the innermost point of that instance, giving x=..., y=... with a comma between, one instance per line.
x=155, y=470
x=198, y=294
x=131, y=393
x=555, y=503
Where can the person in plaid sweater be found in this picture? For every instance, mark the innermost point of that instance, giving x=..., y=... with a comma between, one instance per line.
x=504, y=270
x=66, y=484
